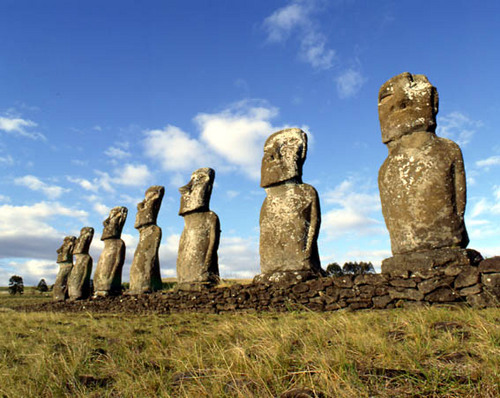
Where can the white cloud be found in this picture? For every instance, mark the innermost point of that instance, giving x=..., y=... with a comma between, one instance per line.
x=132, y=175
x=227, y=140
x=232, y=194
x=457, y=127
x=488, y=162
x=128, y=175
x=85, y=184
x=238, y=257
x=296, y=18
x=237, y=134
x=35, y=184
x=7, y=160
x=26, y=231
x=349, y=83
x=21, y=127
x=31, y=271
x=116, y=153
x=355, y=212
x=101, y=209
x=174, y=149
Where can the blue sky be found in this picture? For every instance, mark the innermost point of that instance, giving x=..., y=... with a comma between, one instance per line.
x=101, y=99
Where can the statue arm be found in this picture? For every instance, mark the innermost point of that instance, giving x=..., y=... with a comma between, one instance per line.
x=213, y=243
x=460, y=183
x=314, y=223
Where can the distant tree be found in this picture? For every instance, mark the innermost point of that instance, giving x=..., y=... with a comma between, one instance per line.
x=16, y=285
x=42, y=286
x=334, y=269
x=355, y=268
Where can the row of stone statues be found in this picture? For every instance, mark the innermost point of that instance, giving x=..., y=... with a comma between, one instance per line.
x=422, y=190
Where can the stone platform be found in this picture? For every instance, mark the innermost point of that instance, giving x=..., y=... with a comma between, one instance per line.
x=477, y=286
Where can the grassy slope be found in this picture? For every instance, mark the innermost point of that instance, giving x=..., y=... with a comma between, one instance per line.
x=448, y=352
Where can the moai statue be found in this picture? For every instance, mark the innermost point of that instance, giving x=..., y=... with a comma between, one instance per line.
x=79, y=278
x=145, y=270
x=422, y=181
x=108, y=273
x=197, y=264
x=290, y=216
x=65, y=261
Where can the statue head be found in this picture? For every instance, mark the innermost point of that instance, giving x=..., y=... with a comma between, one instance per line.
x=195, y=195
x=147, y=210
x=407, y=103
x=284, y=155
x=113, y=225
x=82, y=244
x=65, y=252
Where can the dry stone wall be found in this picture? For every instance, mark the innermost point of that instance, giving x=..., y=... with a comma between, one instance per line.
x=474, y=285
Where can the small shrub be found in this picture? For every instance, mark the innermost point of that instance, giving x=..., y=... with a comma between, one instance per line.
x=16, y=285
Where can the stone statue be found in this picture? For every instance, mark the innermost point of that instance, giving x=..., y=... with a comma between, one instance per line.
x=65, y=261
x=422, y=181
x=145, y=270
x=197, y=264
x=290, y=216
x=108, y=273
x=79, y=278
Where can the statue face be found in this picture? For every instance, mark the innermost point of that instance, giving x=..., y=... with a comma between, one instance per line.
x=196, y=194
x=147, y=210
x=65, y=252
x=406, y=103
x=82, y=244
x=284, y=155
x=113, y=225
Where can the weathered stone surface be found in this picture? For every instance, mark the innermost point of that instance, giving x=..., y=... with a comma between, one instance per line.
x=441, y=295
x=290, y=216
x=402, y=282
x=79, y=278
x=408, y=294
x=197, y=261
x=65, y=261
x=381, y=301
x=490, y=265
x=491, y=280
x=468, y=291
x=422, y=181
x=429, y=285
x=468, y=277
x=108, y=273
x=145, y=274
x=429, y=260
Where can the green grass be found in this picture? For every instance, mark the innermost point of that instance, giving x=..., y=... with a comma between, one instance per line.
x=435, y=352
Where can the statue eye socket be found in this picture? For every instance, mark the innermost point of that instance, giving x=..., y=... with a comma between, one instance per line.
x=384, y=95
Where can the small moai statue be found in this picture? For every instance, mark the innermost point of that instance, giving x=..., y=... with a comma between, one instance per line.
x=422, y=181
x=79, y=278
x=65, y=261
x=197, y=262
x=145, y=274
x=290, y=216
x=108, y=273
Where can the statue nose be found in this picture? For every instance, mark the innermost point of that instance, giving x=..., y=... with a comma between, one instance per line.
x=186, y=188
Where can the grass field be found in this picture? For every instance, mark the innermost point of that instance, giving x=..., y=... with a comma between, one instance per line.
x=434, y=352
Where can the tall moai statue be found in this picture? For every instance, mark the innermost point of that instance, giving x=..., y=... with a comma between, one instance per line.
x=145, y=274
x=108, y=273
x=290, y=216
x=422, y=181
x=197, y=262
x=65, y=261
x=79, y=278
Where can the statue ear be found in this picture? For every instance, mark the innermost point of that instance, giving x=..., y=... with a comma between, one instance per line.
x=435, y=100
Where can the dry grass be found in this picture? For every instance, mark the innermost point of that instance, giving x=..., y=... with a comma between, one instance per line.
x=434, y=352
